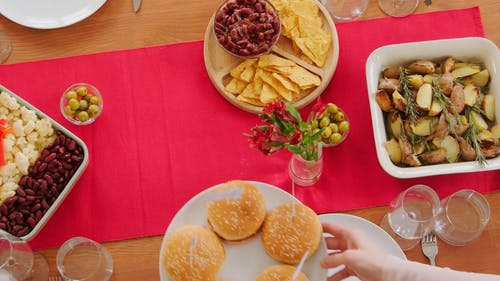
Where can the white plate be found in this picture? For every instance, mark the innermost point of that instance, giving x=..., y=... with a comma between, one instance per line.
x=376, y=234
x=48, y=14
x=470, y=49
x=243, y=261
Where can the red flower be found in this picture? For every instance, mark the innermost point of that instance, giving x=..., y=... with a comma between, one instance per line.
x=283, y=128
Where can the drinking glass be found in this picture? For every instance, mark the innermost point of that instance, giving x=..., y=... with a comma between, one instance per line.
x=411, y=215
x=5, y=47
x=345, y=10
x=82, y=259
x=398, y=8
x=462, y=217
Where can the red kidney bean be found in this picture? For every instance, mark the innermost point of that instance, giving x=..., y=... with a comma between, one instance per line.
x=241, y=21
x=38, y=190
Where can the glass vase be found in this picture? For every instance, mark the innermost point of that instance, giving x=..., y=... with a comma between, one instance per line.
x=306, y=172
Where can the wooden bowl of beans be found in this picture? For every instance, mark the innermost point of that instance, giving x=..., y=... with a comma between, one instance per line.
x=247, y=28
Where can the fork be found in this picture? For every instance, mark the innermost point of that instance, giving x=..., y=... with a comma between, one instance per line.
x=429, y=247
x=55, y=278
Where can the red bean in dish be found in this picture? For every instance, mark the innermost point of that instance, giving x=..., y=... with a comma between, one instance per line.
x=247, y=28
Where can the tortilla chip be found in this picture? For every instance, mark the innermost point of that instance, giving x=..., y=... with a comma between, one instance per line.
x=304, y=78
x=249, y=100
x=253, y=89
x=236, y=86
x=309, y=27
x=268, y=78
x=273, y=60
x=248, y=74
x=268, y=94
x=238, y=70
x=289, y=85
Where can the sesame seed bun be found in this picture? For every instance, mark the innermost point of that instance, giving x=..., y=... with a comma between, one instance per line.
x=280, y=272
x=240, y=217
x=193, y=253
x=289, y=231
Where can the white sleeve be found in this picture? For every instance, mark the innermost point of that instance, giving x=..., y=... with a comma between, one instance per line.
x=396, y=269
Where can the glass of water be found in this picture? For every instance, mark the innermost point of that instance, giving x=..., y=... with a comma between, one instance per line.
x=411, y=215
x=82, y=259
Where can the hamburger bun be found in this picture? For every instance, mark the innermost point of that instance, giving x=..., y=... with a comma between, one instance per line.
x=291, y=230
x=239, y=214
x=193, y=253
x=280, y=272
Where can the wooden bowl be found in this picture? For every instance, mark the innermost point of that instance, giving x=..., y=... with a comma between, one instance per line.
x=219, y=63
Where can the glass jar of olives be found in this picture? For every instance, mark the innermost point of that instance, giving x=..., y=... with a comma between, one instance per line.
x=333, y=124
x=81, y=104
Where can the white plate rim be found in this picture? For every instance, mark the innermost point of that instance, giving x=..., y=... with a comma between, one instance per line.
x=265, y=188
x=48, y=14
x=366, y=227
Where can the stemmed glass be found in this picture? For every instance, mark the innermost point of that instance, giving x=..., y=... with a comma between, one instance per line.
x=411, y=215
x=17, y=259
x=5, y=47
x=398, y=8
x=345, y=10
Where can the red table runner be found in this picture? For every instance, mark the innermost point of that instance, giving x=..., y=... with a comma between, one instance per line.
x=166, y=134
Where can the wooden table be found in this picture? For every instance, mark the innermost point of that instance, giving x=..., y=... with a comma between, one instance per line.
x=115, y=26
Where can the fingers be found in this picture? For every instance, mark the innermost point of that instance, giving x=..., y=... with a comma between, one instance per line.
x=336, y=243
x=335, y=230
x=333, y=260
x=341, y=275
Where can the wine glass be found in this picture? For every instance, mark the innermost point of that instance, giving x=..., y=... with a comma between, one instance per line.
x=18, y=260
x=83, y=259
x=5, y=47
x=411, y=215
x=398, y=8
x=345, y=10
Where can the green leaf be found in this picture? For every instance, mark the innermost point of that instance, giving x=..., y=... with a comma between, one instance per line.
x=295, y=149
x=293, y=111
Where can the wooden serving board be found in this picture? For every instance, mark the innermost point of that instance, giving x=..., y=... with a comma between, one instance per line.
x=219, y=63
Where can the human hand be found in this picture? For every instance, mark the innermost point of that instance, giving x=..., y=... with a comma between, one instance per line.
x=354, y=250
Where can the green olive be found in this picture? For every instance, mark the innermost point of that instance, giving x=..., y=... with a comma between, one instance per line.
x=87, y=97
x=68, y=110
x=334, y=127
x=93, y=109
x=81, y=91
x=71, y=95
x=94, y=100
x=82, y=116
x=326, y=132
x=339, y=117
x=74, y=104
x=332, y=108
x=325, y=121
x=314, y=124
x=84, y=105
x=344, y=126
x=335, y=138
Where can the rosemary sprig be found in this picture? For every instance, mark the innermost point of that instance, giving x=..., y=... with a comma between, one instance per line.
x=471, y=136
x=411, y=105
x=445, y=103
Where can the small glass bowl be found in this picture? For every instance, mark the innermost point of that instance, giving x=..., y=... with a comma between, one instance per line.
x=218, y=26
x=342, y=134
x=76, y=117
